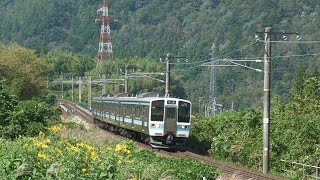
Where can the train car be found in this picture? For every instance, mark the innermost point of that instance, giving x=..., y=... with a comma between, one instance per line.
x=162, y=122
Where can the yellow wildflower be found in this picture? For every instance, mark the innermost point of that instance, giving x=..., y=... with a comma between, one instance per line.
x=57, y=151
x=42, y=155
x=133, y=178
x=25, y=146
x=80, y=144
x=42, y=144
x=93, y=155
x=84, y=170
x=118, y=147
x=89, y=148
x=54, y=128
x=109, y=148
x=41, y=134
x=124, y=147
x=74, y=148
x=129, y=161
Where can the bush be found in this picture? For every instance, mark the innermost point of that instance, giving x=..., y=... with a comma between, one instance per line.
x=237, y=137
x=27, y=118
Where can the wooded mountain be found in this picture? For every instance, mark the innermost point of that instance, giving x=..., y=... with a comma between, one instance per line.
x=182, y=27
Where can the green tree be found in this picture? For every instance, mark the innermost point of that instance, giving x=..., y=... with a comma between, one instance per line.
x=24, y=72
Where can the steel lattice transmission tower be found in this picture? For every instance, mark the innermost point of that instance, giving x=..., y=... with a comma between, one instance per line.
x=105, y=45
x=212, y=105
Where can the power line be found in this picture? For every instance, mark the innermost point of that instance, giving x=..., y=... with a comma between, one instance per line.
x=239, y=49
x=199, y=62
x=248, y=60
x=297, y=55
x=188, y=68
x=293, y=42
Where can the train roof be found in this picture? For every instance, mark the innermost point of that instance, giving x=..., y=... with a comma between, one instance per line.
x=145, y=97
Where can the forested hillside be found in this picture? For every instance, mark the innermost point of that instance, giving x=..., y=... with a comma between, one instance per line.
x=182, y=27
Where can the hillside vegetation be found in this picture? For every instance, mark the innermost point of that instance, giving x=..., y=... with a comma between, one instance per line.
x=237, y=135
x=184, y=28
x=44, y=39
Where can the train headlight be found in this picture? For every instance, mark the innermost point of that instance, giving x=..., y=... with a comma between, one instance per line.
x=155, y=125
x=184, y=127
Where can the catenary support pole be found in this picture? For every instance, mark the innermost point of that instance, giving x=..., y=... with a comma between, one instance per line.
x=80, y=88
x=126, y=80
x=62, y=86
x=104, y=84
x=266, y=100
x=167, y=75
x=89, y=91
x=72, y=88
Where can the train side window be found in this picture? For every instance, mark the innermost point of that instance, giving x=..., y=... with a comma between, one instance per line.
x=133, y=112
x=157, y=110
x=138, y=112
x=146, y=112
x=111, y=109
x=127, y=111
x=107, y=107
x=184, y=112
x=141, y=114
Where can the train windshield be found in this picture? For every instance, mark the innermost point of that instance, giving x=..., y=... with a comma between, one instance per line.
x=171, y=113
x=184, y=112
x=157, y=110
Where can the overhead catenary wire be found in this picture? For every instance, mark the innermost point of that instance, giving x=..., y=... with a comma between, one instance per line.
x=259, y=59
x=244, y=47
x=292, y=42
x=246, y=59
x=199, y=62
x=297, y=55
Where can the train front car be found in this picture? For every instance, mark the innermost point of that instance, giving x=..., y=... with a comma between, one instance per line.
x=169, y=124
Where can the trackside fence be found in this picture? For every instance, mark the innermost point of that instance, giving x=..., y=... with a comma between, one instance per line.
x=302, y=171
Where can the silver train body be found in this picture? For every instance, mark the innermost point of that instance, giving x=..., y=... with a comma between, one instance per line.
x=162, y=122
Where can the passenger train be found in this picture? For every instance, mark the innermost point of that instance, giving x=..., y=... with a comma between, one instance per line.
x=162, y=122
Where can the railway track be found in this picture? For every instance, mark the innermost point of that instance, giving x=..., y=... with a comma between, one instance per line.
x=229, y=171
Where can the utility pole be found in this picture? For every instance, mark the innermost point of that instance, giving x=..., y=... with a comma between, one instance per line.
x=48, y=82
x=212, y=93
x=167, y=75
x=89, y=91
x=126, y=80
x=80, y=88
x=266, y=100
x=267, y=89
x=200, y=99
x=62, y=85
x=72, y=87
x=103, y=84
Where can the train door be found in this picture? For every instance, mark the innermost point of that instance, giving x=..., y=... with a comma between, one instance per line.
x=144, y=118
x=117, y=114
x=121, y=116
x=170, y=120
